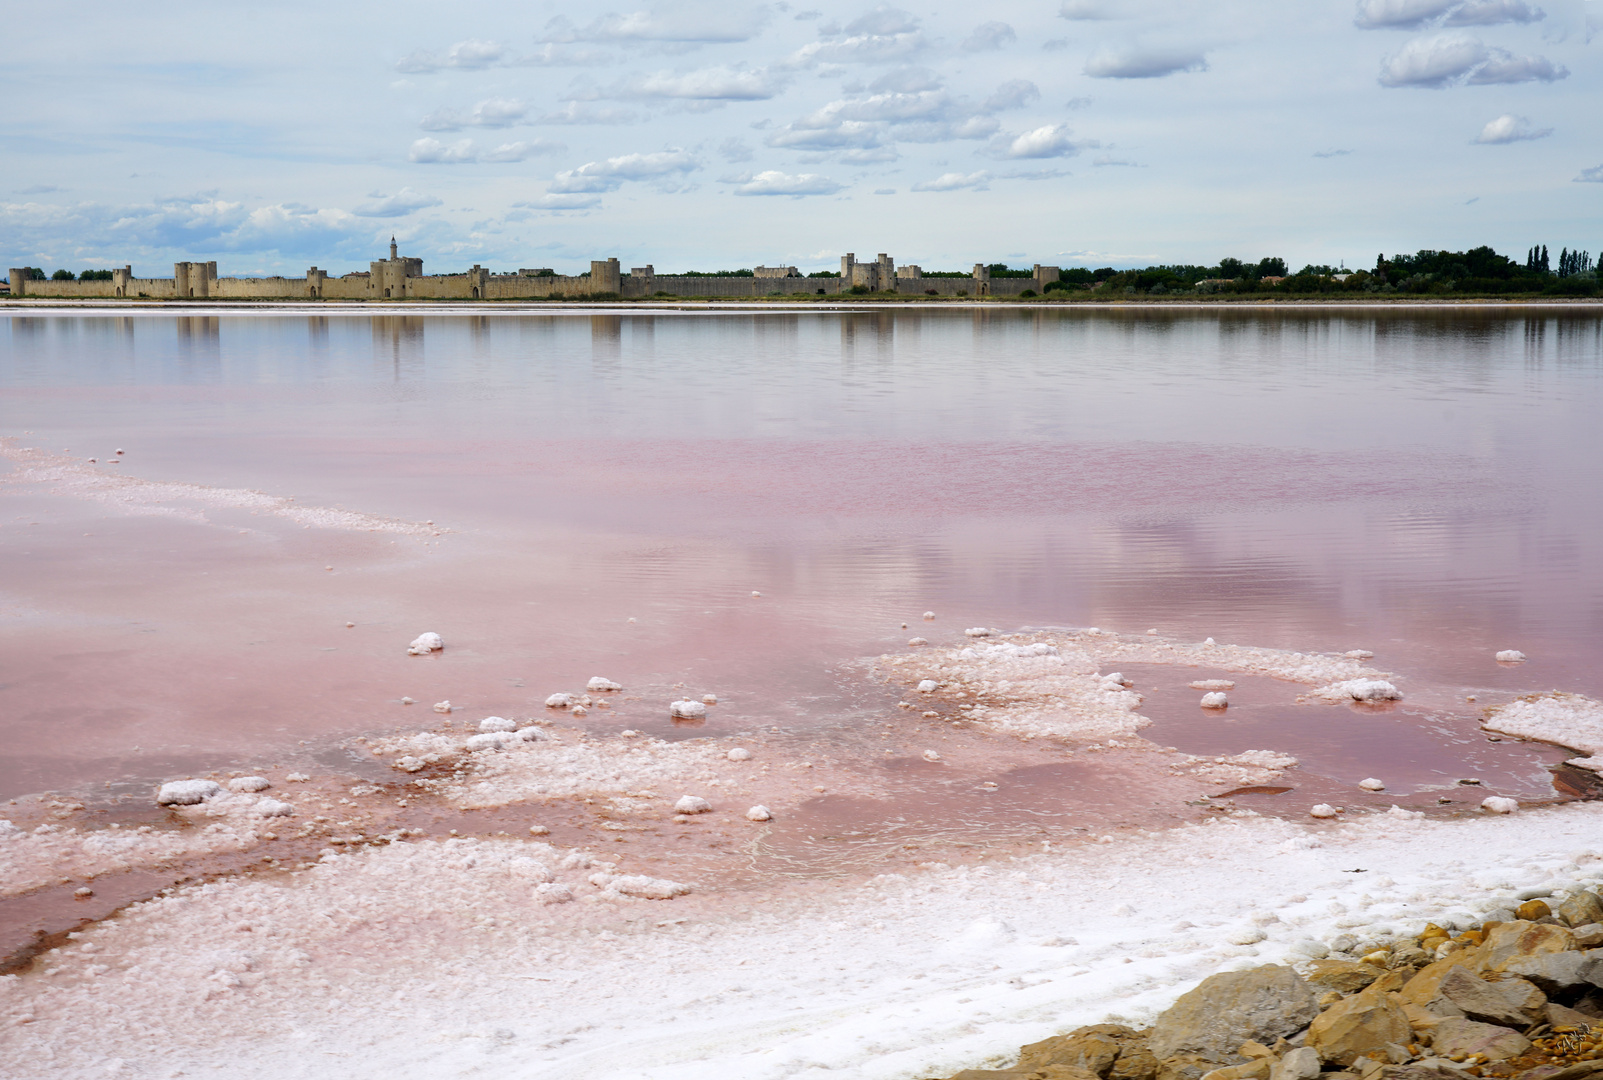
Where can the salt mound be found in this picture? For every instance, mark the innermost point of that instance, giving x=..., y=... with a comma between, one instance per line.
x=442, y=706
x=927, y=686
x=647, y=888
x=598, y=683
x=1570, y=720
x=1358, y=690
x=560, y=701
x=553, y=893
x=709, y=699
x=929, y=614
x=1511, y=656
x=1496, y=804
x=977, y=631
x=1358, y=654
x=497, y=723
x=186, y=792
x=739, y=753
x=1372, y=784
x=1213, y=684
x=1322, y=810
x=759, y=813
x=692, y=804
x=532, y=734
x=491, y=740
x=1262, y=759
x=1215, y=700
x=249, y=783
x=915, y=642
x=524, y=867
x=932, y=755
x=687, y=710
x=273, y=808
x=424, y=644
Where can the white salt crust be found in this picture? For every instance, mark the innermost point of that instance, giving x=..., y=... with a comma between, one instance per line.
x=443, y=958
x=1357, y=690
x=1215, y=700
x=688, y=710
x=425, y=643
x=1510, y=656
x=188, y=502
x=1569, y=720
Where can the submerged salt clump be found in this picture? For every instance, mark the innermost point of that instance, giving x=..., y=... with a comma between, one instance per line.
x=1358, y=690
x=1215, y=700
x=687, y=710
x=1372, y=784
x=599, y=683
x=273, y=808
x=424, y=644
x=560, y=701
x=759, y=813
x=442, y=706
x=1497, y=804
x=1358, y=654
x=187, y=792
x=932, y=755
x=497, y=723
x=977, y=631
x=249, y=783
x=739, y=753
x=1322, y=810
x=692, y=804
x=1212, y=684
x=532, y=734
x=552, y=893
x=915, y=642
x=1511, y=656
x=492, y=740
x=647, y=888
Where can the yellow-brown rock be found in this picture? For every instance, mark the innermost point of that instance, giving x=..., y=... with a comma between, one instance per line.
x=1343, y=975
x=1513, y=940
x=1581, y=909
x=1425, y=986
x=1359, y=1025
x=1532, y=910
x=1093, y=1049
x=1135, y=1062
x=1256, y=1069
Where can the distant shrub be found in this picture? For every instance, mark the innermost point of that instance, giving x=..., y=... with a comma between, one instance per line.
x=932, y=292
x=1027, y=293
x=95, y=275
x=859, y=290
x=62, y=275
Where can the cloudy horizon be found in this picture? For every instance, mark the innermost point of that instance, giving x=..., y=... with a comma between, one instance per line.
x=711, y=136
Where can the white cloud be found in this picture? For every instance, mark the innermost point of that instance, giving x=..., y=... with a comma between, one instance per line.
x=845, y=135
x=1137, y=62
x=400, y=204
x=953, y=181
x=465, y=151
x=774, y=182
x=882, y=36
x=989, y=35
x=710, y=84
x=689, y=23
x=576, y=112
x=560, y=202
x=1453, y=59
x=1014, y=94
x=609, y=175
x=491, y=112
x=1415, y=14
x=1508, y=129
x=1594, y=175
x=905, y=105
x=1087, y=10
x=1052, y=140
x=471, y=55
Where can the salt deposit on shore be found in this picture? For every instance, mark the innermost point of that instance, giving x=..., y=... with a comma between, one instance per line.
x=1569, y=720
x=438, y=958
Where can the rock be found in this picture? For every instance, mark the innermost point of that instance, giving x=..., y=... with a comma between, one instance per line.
x=1552, y=972
x=1136, y=1062
x=249, y=783
x=1254, y=1069
x=1425, y=987
x=1510, y=1002
x=1093, y=1049
x=187, y=792
x=1581, y=908
x=1589, y=936
x=1462, y=1036
x=1227, y=1009
x=692, y=804
x=1184, y=1067
x=597, y=683
x=1300, y=1064
x=1533, y=910
x=1515, y=939
x=1360, y=1025
x=1421, y=1071
x=1563, y=1016
x=1343, y=975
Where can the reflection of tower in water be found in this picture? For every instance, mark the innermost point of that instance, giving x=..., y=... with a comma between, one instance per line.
x=398, y=341
x=200, y=339
x=875, y=330
x=606, y=339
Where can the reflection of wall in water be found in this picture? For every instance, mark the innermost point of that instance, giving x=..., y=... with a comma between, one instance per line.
x=606, y=337
x=398, y=341
x=200, y=338
x=875, y=331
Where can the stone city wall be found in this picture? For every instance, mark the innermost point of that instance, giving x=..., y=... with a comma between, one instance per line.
x=401, y=279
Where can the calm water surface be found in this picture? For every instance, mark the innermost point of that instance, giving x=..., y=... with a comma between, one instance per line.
x=1423, y=483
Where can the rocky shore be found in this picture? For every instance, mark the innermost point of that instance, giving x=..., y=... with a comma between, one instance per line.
x=1518, y=996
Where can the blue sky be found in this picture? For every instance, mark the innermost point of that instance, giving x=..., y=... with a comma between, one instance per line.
x=719, y=135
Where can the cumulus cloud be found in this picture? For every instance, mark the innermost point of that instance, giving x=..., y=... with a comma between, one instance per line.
x=1453, y=59
x=609, y=175
x=1137, y=62
x=471, y=55
x=1050, y=141
x=491, y=113
x=402, y=203
x=578, y=112
x=954, y=181
x=709, y=84
x=1594, y=175
x=1510, y=129
x=683, y=23
x=989, y=35
x=774, y=182
x=560, y=202
x=1415, y=14
x=465, y=151
x=884, y=35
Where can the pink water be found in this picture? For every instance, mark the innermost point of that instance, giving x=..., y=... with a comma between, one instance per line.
x=1422, y=483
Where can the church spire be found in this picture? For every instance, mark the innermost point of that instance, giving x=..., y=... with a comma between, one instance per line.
x=393, y=253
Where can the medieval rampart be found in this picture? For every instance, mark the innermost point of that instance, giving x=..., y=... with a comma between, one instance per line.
x=402, y=278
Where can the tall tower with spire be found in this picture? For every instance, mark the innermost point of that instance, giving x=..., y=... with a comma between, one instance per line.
x=394, y=252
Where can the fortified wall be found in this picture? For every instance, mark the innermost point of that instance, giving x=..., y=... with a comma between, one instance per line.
x=402, y=278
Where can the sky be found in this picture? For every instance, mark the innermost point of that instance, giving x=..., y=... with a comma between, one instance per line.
x=714, y=135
